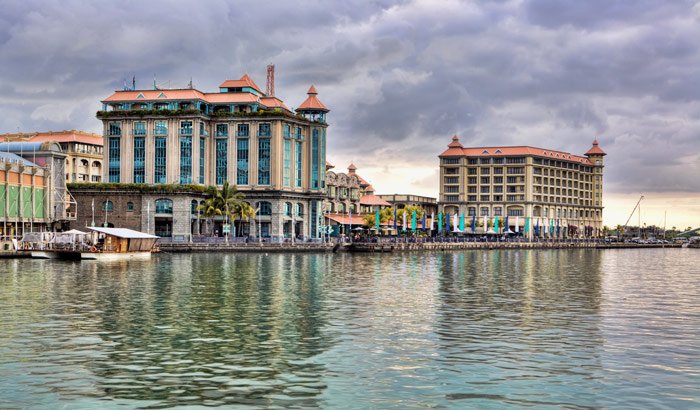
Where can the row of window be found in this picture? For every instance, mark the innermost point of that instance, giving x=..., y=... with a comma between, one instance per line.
x=186, y=128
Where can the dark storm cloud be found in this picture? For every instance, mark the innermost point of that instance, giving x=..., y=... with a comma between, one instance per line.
x=399, y=76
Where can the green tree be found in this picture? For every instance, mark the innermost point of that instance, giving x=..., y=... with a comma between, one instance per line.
x=222, y=202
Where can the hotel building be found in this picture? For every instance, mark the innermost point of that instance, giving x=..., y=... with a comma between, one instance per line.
x=33, y=196
x=523, y=181
x=83, y=151
x=239, y=134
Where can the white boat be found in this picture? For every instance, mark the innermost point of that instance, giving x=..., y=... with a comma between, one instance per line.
x=100, y=244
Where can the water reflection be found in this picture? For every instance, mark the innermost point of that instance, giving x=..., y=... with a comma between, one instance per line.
x=516, y=321
x=448, y=330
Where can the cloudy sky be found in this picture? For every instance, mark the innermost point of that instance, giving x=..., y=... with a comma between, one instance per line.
x=401, y=77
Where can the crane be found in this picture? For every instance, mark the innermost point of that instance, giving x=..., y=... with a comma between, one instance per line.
x=632, y=213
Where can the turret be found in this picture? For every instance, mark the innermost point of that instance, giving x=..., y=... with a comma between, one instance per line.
x=312, y=108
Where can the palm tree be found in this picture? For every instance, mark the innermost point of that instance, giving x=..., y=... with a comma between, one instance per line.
x=243, y=210
x=222, y=202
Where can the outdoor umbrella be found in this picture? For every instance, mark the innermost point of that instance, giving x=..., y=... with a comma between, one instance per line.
x=495, y=224
x=474, y=223
x=461, y=222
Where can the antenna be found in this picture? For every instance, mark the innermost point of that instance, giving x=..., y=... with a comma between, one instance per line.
x=270, y=90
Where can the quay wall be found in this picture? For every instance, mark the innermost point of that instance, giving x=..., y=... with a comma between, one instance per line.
x=389, y=247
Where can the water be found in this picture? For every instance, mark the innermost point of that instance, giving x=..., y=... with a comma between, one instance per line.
x=476, y=329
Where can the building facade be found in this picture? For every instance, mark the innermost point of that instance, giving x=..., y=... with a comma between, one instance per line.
x=33, y=196
x=550, y=187
x=83, y=151
x=274, y=156
x=400, y=201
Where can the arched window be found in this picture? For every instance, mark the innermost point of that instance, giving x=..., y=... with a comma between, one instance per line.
x=287, y=209
x=300, y=209
x=130, y=207
x=107, y=206
x=341, y=208
x=164, y=206
x=265, y=209
x=193, y=207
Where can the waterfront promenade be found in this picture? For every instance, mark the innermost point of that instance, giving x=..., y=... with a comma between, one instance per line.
x=394, y=245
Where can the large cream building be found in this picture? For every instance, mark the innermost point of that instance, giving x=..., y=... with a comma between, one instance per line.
x=239, y=134
x=550, y=187
x=83, y=151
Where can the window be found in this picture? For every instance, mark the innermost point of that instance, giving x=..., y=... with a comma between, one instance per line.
x=264, y=161
x=485, y=160
x=473, y=161
x=164, y=206
x=471, y=190
x=451, y=180
x=516, y=170
x=265, y=209
x=452, y=189
x=498, y=160
x=193, y=207
x=287, y=163
x=450, y=161
x=287, y=133
x=160, y=158
x=114, y=159
x=221, y=160
x=202, y=152
x=222, y=130
x=185, y=160
x=498, y=211
x=264, y=130
x=470, y=171
x=288, y=209
x=115, y=128
x=203, y=130
x=484, y=211
x=299, y=168
x=160, y=128
x=471, y=211
x=300, y=209
x=498, y=170
x=484, y=198
x=299, y=136
x=484, y=180
x=471, y=180
x=242, y=162
x=471, y=198
x=515, y=212
x=139, y=128
x=485, y=171
x=515, y=160
x=314, y=159
x=139, y=160
x=243, y=130
x=130, y=207
x=107, y=206
x=485, y=189
x=185, y=127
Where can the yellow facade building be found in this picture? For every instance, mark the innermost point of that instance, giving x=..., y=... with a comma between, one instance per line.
x=551, y=188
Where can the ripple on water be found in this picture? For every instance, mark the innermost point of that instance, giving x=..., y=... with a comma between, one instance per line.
x=543, y=329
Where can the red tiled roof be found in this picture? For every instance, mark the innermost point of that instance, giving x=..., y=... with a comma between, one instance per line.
x=273, y=102
x=595, y=149
x=58, y=136
x=511, y=151
x=455, y=143
x=312, y=102
x=344, y=219
x=149, y=95
x=231, y=98
x=372, y=200
x=244, y=81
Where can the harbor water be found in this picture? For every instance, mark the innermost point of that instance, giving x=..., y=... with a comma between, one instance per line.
x=480, y=329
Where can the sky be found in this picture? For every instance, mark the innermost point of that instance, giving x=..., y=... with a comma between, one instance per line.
x=400, y=78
